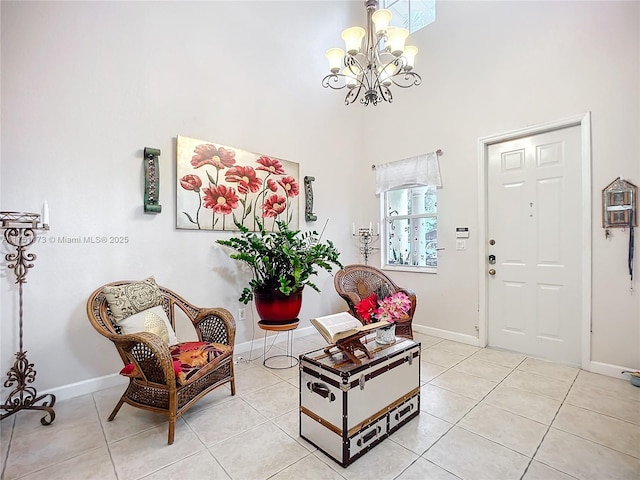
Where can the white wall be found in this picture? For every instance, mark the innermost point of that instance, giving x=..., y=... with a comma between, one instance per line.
x=87, y=85
x=494, y=67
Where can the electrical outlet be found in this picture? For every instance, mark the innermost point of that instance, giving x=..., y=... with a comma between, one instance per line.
x=242, y=314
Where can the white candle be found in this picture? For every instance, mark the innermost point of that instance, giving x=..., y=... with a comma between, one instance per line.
x=378, y=229
x=45, y=213
x=370, y=225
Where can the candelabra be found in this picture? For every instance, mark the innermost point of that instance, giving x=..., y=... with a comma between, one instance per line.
x=20, y=232
x=366, y=237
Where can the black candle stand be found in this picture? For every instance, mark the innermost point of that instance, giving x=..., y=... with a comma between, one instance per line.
x=20, y=232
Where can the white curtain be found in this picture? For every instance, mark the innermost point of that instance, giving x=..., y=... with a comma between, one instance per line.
x=421, y=170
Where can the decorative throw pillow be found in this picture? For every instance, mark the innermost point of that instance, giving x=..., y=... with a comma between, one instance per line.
x=191, y=360
x=152, y=320
x=134, y=297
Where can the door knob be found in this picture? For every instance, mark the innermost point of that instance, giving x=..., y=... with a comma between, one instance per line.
x=492, y=272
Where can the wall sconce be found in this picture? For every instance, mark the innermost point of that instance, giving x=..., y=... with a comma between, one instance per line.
x=309, y=216
x=151, y=181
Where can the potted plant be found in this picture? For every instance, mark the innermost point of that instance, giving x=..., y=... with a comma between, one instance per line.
x=282, y=262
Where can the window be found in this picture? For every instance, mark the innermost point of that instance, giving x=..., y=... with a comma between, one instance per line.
x=411, y=14
x=410, y=228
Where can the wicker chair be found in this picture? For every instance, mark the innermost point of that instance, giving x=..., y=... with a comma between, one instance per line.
x=356, y=282
x=156, y=387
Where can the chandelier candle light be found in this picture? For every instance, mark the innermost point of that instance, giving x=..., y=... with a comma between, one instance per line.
x=376, y=58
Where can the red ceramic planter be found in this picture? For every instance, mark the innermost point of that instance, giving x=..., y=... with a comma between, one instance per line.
x=275, y=307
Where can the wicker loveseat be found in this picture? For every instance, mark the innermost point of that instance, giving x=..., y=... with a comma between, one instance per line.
x=161, y=376
x=356, y=282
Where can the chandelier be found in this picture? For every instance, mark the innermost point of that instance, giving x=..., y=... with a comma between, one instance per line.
x=376, y=58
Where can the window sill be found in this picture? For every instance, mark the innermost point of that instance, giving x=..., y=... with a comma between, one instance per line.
x=409, y=268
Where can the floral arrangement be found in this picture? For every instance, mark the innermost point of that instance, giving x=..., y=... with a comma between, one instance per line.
x=390, y=308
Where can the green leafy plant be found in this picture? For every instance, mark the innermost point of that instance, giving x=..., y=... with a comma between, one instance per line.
x=281, y=259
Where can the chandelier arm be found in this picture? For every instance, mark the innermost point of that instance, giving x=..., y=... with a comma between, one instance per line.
x=331, y=79
x=409, y=79
x=385, y=93
x=353, y=95
x=353, y=64
x=367, y=72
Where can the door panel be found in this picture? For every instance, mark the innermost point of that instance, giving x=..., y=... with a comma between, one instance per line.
x=534, y=216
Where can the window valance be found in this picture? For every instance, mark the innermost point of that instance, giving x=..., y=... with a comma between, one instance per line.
x=421, y=170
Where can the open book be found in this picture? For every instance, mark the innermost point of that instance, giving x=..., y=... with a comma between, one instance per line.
x=342, y=325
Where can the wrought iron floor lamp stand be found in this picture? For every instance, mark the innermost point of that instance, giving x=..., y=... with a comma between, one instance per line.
x=20, y=232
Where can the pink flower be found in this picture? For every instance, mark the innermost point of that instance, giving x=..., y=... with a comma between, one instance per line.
x=273, y=186
x=389, y=309
x=393, y=307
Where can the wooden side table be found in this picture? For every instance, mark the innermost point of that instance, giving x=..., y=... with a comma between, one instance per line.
x=288, y=327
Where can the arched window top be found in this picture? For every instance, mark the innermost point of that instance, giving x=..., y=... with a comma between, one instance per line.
x=411, y=14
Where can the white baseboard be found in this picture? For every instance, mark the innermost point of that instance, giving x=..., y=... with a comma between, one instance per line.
x=92, y=385
x=257, y=345
x=447, y=335
x=77, y=389
x=609, y=370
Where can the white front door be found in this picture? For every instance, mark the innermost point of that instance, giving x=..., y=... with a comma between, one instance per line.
x=534, y=231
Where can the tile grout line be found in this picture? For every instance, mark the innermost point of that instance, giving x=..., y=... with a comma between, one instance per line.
x=104, y=434
x=513, y=369
x=549, y=428
x=472, y=408
x=6, y=457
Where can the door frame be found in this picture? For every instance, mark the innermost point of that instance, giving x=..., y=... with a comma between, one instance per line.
x=584, y=121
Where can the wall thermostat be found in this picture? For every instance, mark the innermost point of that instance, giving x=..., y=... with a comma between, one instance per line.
x=462, y=232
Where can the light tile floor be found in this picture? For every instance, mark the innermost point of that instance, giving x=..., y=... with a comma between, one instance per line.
x=485, y=415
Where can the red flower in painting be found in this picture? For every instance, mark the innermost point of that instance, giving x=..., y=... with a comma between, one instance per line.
x=208, y=154
x=191, y=182
x=290, y=186
x=270, y=165
x=274, y=206
x=366, y=308
x=220, y=198
x=245, y=177
x=273, y=186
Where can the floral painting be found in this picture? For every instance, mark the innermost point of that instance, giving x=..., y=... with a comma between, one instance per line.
x=220, y=185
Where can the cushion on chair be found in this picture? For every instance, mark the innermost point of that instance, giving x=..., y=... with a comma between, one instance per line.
x=152, y=320
x=191, y=360
x=132, y=298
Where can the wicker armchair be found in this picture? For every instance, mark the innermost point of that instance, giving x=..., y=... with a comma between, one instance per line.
x=356, y=282
x=156, y=385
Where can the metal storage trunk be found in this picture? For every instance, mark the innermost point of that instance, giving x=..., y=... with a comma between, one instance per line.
x=347, y=409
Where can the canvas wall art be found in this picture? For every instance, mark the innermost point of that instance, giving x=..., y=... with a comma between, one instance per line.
x=220, y=185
